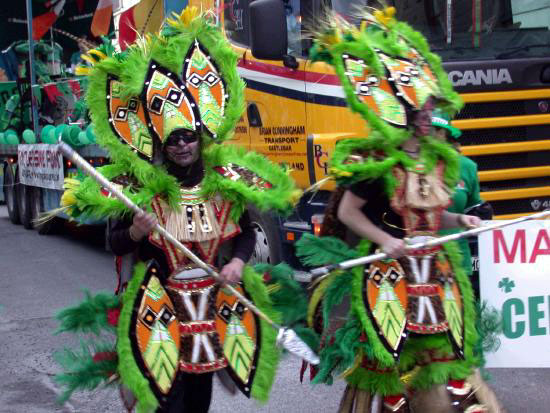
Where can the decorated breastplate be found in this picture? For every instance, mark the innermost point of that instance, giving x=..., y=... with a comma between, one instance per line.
x=420, y=198
x=202, y=224
x=417, y=293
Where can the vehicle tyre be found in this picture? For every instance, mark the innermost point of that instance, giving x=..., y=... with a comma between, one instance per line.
x=10, y=193
x=268, y=244
x=48, y=227
x=24, y=205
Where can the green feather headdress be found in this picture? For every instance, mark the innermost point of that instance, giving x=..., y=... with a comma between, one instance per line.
x=386, y=69
x=182, y=77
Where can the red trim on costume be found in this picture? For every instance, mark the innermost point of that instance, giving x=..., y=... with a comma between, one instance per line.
x=421, y=290
x=203, y=367
x=424, y=251
x=457, y=384
x=191, y=284
x=427, y=329
x=197, y=327
x=368, y=365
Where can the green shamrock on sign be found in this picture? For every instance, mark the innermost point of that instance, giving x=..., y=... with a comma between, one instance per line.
x=506, y=284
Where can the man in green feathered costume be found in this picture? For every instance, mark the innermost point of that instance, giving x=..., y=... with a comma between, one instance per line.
x=400, y=331
x=162, y=109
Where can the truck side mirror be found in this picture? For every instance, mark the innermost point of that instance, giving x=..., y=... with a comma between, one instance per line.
x=268, y=32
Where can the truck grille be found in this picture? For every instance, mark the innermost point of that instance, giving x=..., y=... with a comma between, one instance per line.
x=509, y=160
x=514, y=184
x=493, y=109
x=519, y=206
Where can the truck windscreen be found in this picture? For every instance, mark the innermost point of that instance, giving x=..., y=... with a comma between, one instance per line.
x=472, y=29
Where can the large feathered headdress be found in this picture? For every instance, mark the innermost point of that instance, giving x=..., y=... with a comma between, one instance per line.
x=385, y=68
x=184, y=77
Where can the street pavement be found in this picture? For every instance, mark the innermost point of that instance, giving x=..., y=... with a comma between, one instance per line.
x=39, y=275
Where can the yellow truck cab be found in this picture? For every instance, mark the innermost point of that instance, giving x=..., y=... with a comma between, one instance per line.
x=495, y=52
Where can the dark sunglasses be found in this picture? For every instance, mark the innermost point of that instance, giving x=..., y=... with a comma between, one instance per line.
x=174, y=139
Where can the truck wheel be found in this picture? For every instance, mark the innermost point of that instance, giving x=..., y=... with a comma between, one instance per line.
x=44, y=228
x=24, y=205
x=268, y=244
x=10, y=193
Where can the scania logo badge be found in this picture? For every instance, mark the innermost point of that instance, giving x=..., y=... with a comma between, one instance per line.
x=543, y=106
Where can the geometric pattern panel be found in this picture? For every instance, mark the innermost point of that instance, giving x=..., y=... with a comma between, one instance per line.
x=205, y=84
x=127, y=119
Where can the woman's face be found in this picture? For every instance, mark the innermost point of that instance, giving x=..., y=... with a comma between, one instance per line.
x=182, y=147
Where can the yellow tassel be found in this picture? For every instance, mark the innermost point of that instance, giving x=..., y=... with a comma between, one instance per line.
x=338, y=172
x=83, y=71
x=385, y=16
x=68, y=199
x=98, y=53
x=409, y=376
x=185, y=18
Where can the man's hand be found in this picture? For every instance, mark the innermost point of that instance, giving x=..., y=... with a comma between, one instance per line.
x=142, y=225
x=469, y=221
x=233, y=270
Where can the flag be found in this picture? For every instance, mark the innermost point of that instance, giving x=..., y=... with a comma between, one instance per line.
x=41, y=24
x=102, y=18
x=126, y=29
x=144, y=17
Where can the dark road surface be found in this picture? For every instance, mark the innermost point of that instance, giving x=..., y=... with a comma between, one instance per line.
x=41, y=274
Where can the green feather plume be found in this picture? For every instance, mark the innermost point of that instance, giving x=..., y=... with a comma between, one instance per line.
x=90, y=316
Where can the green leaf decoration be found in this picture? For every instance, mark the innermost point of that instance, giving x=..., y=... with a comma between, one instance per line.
x=453, y=314
x=239, y=348
x=390, y=108
x=389, y=314
x=161, y=357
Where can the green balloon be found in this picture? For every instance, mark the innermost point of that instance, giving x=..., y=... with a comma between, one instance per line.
x=2, y=140
x=74, y=130
x=11, y=137
x=47, y=134
x=59, y=129
x=28, y=136
x=90, y=133
x=83, y=138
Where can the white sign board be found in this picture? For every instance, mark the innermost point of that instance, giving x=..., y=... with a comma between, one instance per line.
x=40, y=165
x=514, y=276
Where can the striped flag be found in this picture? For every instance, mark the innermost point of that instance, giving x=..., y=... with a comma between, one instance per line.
x=144, y=17
x=41, y=24
x=102, y=17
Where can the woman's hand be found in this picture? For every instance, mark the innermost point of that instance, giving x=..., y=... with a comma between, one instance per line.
x=394, y=247
x=233, y=270
x=142, y=225
x=469, y=221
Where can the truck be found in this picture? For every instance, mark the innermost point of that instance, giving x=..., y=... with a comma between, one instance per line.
x=496, y=53
x=33, y=118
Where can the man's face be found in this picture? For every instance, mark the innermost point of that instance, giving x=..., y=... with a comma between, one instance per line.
x=423, y=119
x=441, y=134
x=182, y=147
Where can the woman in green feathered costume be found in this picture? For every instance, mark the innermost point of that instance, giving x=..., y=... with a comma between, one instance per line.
x=400, y=331
x=162, y=109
